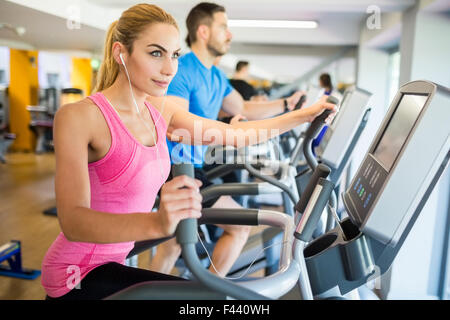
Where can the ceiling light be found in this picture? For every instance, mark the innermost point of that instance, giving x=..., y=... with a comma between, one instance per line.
x=273, y=24
x=20, y=31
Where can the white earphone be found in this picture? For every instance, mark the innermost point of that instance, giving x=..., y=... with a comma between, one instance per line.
x=141, y=117
x=161, y=171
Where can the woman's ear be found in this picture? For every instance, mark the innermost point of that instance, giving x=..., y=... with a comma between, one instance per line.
x=117, y=49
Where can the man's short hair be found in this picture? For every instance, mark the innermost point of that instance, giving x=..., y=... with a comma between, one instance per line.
x=241, y=64
x=202, y=13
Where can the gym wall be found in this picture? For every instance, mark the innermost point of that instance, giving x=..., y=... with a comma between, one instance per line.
x=23, y=91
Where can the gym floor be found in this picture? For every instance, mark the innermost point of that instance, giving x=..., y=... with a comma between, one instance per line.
x=26, y=190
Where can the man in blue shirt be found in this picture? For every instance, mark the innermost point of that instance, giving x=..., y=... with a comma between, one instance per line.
x=200, y=87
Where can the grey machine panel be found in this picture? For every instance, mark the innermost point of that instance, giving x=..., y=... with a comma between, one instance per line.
x=407, y=157
x=337, y=139
x=404, y=156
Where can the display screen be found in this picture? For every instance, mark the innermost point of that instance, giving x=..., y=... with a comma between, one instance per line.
x=398, y=129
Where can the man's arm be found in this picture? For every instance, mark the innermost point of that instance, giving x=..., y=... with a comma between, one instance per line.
x=255, y=110
x=234, y=104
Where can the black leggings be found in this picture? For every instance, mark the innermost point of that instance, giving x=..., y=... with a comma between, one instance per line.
x=110, y=278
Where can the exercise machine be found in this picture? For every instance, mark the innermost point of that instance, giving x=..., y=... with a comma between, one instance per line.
x=6, y=138
x=11, y=252
x=382, y=202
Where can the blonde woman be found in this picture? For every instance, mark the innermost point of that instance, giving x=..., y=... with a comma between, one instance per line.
x=112, y=159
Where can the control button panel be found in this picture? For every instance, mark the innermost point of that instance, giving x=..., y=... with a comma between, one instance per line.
x=366, y=187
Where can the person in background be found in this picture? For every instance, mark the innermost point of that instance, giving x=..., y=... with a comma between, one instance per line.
x=239, y=81
x=328, y=90
x=327, y=86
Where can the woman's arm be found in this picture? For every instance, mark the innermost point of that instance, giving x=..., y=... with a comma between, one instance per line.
x=188, y=128
x=72, y=135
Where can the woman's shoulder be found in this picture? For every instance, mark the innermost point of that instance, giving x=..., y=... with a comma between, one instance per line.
x=79, y=109
x=83, y=112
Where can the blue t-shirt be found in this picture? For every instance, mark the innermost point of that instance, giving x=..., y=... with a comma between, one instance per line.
x=205, y=90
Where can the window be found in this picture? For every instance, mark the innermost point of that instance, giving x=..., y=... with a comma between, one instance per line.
x=2, y=77
x=53, y=80
x=4, y=66
x=394, y=75
x=54, y=70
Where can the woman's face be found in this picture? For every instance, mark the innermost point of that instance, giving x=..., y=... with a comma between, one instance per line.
x=154, y=59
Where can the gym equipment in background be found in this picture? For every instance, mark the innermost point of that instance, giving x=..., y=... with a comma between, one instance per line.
x=11, y=253
x=6, y=138
x=51, y=100
x=42, y=115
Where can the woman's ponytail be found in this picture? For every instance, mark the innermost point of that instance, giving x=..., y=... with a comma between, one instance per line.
x=109, y=69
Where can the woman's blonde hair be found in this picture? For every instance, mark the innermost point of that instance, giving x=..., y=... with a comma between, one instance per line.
x=125, y=30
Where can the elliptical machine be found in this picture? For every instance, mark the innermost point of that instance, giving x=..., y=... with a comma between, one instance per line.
x=382, y=209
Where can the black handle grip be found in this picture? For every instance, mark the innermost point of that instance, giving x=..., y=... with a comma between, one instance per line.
x=229, y=189
x=242, y=217
x=319, y=121
x=310, y=218
x=187, y=228
x=222, y=170
x=180, y=169
x=300, y=102
x=332, y=99
x=321, y=171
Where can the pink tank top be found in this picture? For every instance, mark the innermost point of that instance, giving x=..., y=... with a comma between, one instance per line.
x=126, y=180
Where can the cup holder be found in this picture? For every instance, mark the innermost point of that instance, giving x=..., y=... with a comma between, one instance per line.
x=320, y=244
x=356, y=253
x=350, y=230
